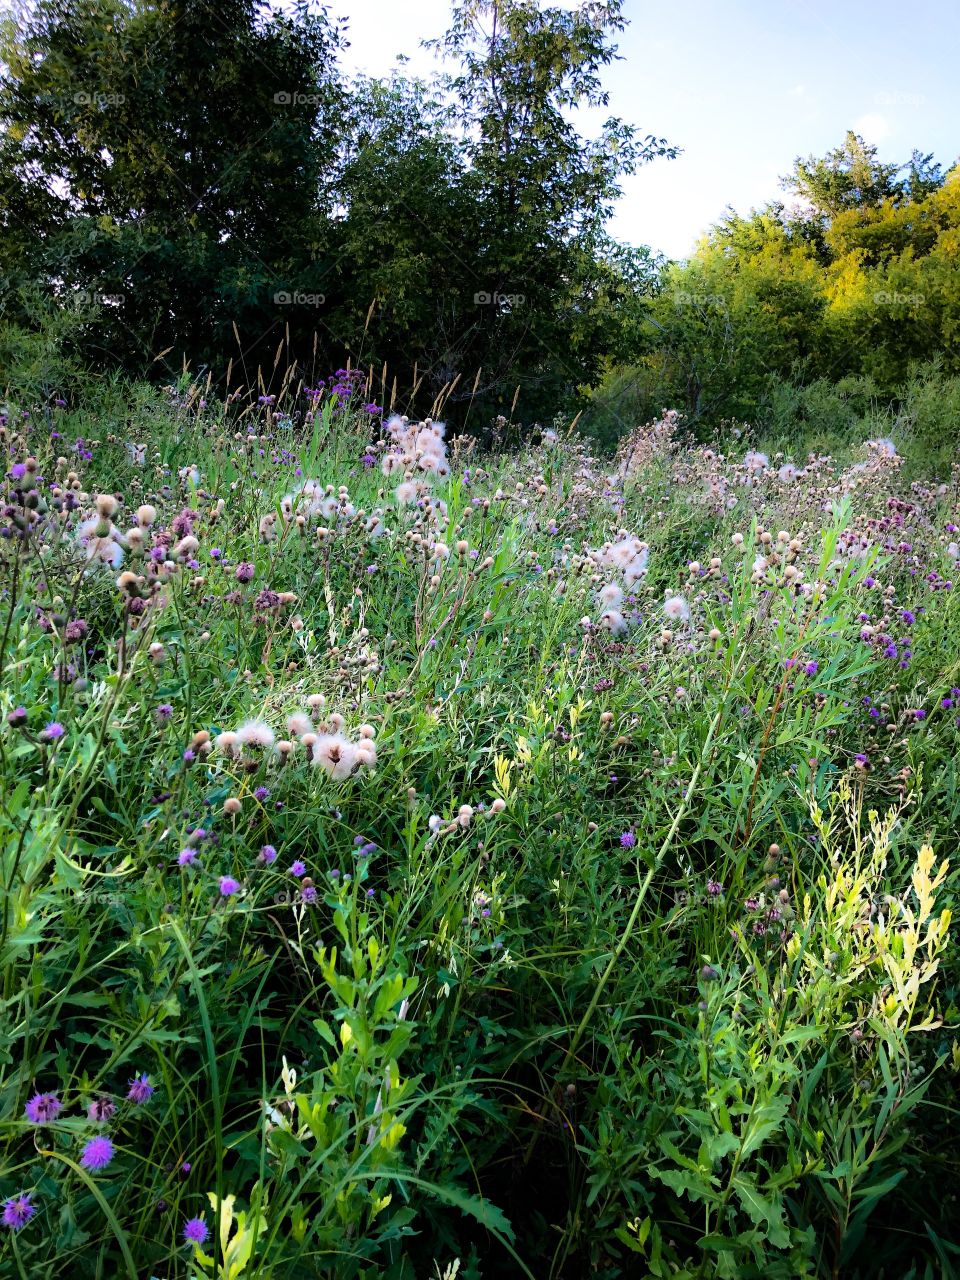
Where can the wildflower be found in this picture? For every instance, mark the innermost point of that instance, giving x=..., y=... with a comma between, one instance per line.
x=614, y=622
x=335, y=755
x=140, y=1088
x=299, y=723
x=228, y=886
x=714, y=888
x=187, y=856
x=195, y=1231
x=164, y=712
x=255, y=733
x=261, y=794
x=97, y=1153
x=43, y=1108
x=17, y=718
x=17, y=1211
x=308, y=894
x=677, y=609
x=627, y=840
x=811, y=668
x=53, y=731
x=298, y=868
x=244, y=571
x=100, y=1110
x=268, y=854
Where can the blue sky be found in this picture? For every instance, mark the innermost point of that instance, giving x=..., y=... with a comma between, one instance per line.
x=743, y=87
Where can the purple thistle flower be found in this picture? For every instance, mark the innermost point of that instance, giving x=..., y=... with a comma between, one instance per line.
x=268, y=854
x=298, y=868
x=101, y=1109
x=262, y=793
x=17, y=1211
x=97, y=1153
x=228, y=886
x=187, y=856
x=53, y=731
x=627, y=840
x=140, y=1088
x=714, y=888
x=244, y=571
x=43, y=1108
x=811, y=668
x=195, y=1231
x=164, y=712
x=308, y=894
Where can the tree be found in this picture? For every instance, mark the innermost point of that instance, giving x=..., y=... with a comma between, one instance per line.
x=541, y=192
x=170, y=159
x=849, y=177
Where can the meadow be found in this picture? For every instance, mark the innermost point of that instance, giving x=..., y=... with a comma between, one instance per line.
x=427, y=857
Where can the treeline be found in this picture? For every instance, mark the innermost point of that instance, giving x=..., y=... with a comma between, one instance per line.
x=840, y=300
x=194, y=182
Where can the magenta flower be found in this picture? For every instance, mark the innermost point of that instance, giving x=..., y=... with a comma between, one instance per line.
x=195, y=1231
x=244, y=571
x=17, y=1211
x=627, y=840
x=298, y=868
x=100, y=1110
x=97, y=1153
x=52, y=732
x=43, y=1108
x=140, y=1088
x=228, y=886
x=187, y=856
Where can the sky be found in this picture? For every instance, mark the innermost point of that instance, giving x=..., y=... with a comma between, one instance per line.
x=742, y=86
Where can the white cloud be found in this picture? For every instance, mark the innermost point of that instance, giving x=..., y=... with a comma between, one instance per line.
x=873, y=127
